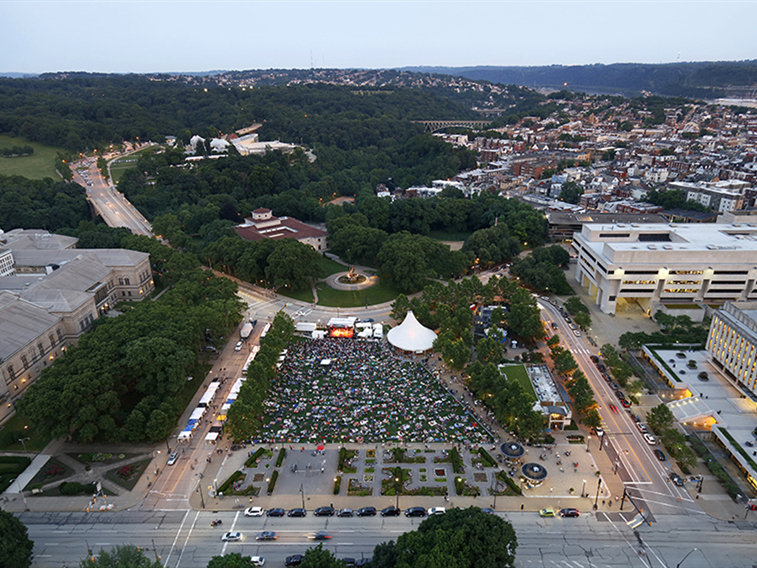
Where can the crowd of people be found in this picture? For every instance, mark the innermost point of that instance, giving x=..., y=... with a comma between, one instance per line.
x=351, y=390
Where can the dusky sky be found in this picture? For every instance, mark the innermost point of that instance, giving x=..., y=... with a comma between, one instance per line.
x=179, y=36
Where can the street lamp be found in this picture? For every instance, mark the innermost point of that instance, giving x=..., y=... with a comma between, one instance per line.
x=588, y=441
x=617, y=461
x=302, y=494
x=685, y=557
x=599, y=484
x=583, y=489
x=23, y=442
x=397, y=492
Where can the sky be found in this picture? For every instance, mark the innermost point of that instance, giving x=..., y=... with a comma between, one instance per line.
x=134, y=36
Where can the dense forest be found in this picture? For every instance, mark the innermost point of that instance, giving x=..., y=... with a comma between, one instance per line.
x=83, y=111
x=41, y=204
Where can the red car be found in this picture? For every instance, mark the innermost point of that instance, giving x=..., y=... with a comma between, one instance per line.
x=614, y=408
x=625, y=403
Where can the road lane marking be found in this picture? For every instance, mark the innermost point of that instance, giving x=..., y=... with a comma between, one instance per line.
x=177, y=537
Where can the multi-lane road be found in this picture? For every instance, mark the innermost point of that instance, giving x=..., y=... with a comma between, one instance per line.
x=112, y=206
x=185, y=539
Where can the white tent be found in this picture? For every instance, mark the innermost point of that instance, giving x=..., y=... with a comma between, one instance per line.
x=410, y=335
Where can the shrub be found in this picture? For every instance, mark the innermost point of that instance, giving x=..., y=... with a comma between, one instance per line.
x=337, y=484
x=459, y=485
x=272, y=482
x=280, y=459
x=228, y=484
x=486, y=458
x=253, y=459
x=457, y=462
x=76, y=488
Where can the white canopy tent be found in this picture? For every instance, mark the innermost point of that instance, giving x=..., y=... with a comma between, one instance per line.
x=410, y=335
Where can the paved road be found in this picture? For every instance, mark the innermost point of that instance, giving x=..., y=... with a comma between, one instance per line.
x=112, y=206
x=642, y=474
x=185, y=539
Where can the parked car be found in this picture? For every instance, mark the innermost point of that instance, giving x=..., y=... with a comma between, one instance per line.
x=569, y=512
x=487, y=510
x=349, y=561
x=257, y=560
x=625, y=403
x=415, y=512
x=366, y=512
x=576, y=333
x=650, y=439
x=294, y=560
x=436, y=511
x=344, y=513
x=594, y=359
x=390, y=512
x=254, y=512
x=642, y=428
x=275, y=512
x=549, y=512
x=267, y=535
x=323, y=512
x=297, y=512
x=173, y=459
x=231, y=537
x=658, y=453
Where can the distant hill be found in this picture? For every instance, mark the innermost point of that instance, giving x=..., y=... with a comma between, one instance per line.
x=704, y=79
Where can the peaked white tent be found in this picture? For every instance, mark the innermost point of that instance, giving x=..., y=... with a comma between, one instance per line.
x=410, y=335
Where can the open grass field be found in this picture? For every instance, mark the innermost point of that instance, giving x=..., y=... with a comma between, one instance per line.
x=377, y=294
x=39, y=165
x=17, y=428
x=120, y=165
x=518, y=374
x=366, y=393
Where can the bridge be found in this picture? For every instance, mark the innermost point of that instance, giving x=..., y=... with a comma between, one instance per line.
x=434, y=125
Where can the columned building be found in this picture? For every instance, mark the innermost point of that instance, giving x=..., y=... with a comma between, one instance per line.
x=732, y=343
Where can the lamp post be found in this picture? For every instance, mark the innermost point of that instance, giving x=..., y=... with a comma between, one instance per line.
x=23, y=442
x=199, y=490
x=617, y=461
x=599, y=484
x=583, y=489
x=397, y=492
x=685, y=557
x=302, y=495
x=588, y=441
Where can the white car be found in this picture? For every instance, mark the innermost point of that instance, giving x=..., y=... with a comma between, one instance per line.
x=254, y=512
x=650, y=439
x=238, y=346
x=436, y=511
x=173, y=459
x=232, y=537
x=257, y=560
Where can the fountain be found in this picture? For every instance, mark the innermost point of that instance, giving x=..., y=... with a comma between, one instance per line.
x=351, y=277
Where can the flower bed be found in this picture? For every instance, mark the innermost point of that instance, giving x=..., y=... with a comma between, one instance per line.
x=127, y=475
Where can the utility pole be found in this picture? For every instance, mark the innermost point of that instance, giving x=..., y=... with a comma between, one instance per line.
x=302, y=494
x=596, y=499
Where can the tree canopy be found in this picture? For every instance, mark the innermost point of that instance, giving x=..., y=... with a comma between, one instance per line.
x=15, y=545
x=122, y=556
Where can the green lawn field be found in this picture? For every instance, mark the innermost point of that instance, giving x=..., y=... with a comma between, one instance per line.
x=39, y=165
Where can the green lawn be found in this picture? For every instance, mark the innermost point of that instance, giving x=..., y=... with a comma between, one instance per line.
x=519, y=374
x=329, y=267
x=120, y=165
x=377, y=294
x=301, y=295
x=17, y=428
x=39, y=165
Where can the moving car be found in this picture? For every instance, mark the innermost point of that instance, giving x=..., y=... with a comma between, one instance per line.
x=569, y=512
x=254, y=512
x=415, y=512
x=614, y=408
x=294, y=560
x=320, y=535
x=676, y=479
x=257, y=560
x=345, y=513
x=238, y=346
x=436, y=511
x=231, y=537
x=324, y=512
x=267, y=535
x=366, y=512
x=173, y=459
x=277, y=512
x=297, y=512
x=390, y=512
x=547, y=513
x=650, y=439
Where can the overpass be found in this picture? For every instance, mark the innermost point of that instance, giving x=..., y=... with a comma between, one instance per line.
x=434, y=125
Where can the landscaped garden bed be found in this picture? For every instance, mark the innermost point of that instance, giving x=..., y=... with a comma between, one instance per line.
x=53, y=470
x=10, y=468
x=127, y=475
x=101, y=457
